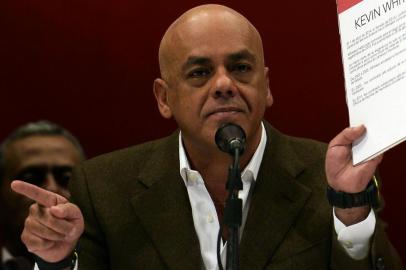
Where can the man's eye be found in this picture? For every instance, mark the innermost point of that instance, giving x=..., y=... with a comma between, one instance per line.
x=27, y=176
x=198, y=73
x=242, y=68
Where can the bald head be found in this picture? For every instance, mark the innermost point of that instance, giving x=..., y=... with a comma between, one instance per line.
x=208, y=24
x=213, y=72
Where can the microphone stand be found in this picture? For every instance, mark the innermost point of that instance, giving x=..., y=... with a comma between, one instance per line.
x=233, y=212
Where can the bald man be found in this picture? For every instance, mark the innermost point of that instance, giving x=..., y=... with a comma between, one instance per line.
x=159, y=205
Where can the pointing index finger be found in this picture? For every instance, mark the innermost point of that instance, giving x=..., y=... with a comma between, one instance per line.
x=41, y=196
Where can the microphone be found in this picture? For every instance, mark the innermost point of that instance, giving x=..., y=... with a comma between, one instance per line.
x=230, y=137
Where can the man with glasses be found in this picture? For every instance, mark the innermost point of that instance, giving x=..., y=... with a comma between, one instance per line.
x=41, y=153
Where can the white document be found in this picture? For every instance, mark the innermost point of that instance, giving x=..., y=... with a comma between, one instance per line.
x=373, y=47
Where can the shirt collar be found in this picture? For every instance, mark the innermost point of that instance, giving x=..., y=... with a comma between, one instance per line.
x=249, y=172
x=5, y=255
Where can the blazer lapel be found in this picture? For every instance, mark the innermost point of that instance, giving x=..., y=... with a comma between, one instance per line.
x=164, y=209
x=276, y=201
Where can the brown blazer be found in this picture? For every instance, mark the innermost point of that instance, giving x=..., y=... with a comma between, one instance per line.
x=138, y=216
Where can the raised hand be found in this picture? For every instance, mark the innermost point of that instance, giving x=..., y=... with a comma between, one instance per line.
x=53, y=226
x=343, y=176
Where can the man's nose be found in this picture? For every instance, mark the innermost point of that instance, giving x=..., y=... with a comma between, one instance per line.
x=50, y=183
x=223, y=84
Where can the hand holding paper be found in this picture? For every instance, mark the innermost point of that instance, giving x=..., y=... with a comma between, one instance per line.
x=342, y=175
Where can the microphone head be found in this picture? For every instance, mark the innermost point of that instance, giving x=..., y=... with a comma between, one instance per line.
x=230, y=137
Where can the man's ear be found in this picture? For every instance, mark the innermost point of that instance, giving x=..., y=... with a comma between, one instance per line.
x=269, y=98
x=161, y=95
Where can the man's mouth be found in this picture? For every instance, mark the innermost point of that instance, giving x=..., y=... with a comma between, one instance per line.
x=225, y=111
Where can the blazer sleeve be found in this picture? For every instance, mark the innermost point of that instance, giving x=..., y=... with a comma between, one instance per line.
x=92, y=248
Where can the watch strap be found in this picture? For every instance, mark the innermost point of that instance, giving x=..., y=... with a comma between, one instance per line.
x=69, y=261
x=370, y=196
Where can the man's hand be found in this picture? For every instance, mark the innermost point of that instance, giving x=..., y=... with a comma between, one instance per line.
x=53, y=226
x=343, y=176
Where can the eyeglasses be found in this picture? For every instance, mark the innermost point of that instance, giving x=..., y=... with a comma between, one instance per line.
x=37, y=175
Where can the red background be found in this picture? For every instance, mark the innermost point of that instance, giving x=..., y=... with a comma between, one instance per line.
x=89, y=65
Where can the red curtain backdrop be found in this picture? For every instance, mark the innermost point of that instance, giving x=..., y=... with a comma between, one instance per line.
x=89, y=66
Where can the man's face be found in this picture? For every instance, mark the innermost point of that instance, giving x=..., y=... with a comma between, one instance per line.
x=216, y=76
x=45, y=161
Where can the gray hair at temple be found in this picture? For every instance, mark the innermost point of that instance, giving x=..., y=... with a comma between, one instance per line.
x=42, y=127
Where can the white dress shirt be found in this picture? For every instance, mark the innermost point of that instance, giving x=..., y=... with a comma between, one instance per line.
x=203, y=210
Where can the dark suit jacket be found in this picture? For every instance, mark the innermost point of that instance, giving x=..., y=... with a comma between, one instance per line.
x=138, y=216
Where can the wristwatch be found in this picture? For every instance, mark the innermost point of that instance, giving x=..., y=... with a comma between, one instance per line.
x=370, y=196
x=69, y=261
